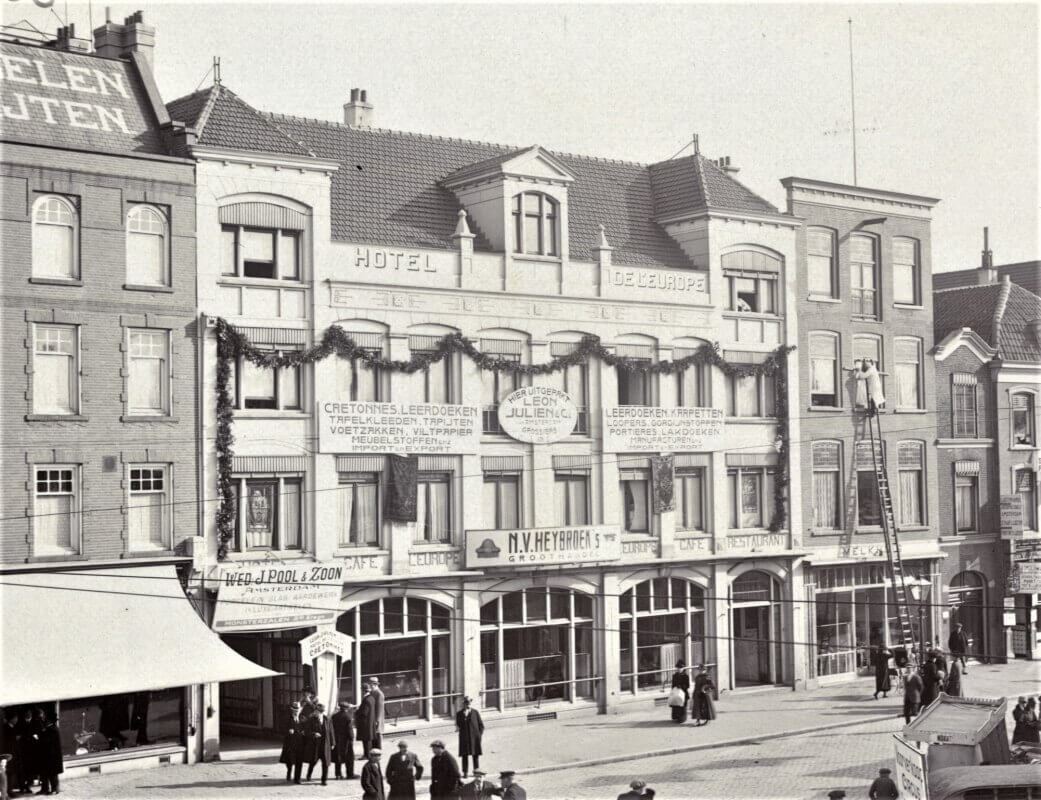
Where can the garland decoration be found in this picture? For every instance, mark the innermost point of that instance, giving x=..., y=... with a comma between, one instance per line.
x=232, y=345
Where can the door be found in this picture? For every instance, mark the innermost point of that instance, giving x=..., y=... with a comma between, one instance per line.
x=752, y=645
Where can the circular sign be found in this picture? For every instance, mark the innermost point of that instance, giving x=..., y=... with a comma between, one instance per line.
x=538, y=414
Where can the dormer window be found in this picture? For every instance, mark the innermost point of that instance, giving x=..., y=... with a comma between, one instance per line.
x=535, y=224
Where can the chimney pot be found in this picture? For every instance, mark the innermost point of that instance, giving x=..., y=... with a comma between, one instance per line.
x=358, y=112
x=363, y=95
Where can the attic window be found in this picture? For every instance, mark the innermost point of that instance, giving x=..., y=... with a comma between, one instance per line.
x=535, y=224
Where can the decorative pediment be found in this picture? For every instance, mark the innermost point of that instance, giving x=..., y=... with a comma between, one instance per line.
x=964, y=337
x=532, y=163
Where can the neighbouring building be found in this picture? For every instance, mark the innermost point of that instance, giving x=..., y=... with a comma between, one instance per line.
x=99, y=413
x=1025, y=273
x=864, y=294
x=539, y=573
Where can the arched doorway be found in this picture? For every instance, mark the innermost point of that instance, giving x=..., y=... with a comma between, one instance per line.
x=661, y=621
x=537, y=646
x=756, y=629
x=967, y=600
x=404, y=642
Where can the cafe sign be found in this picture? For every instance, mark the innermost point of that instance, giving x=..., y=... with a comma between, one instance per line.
x=278, y=594
x=663, y=430
x=538, y=546
x=538, y=414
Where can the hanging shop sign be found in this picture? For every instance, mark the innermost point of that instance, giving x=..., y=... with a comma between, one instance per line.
x=1011, y=511
x=339, y=644
x=1026, y=577
x=422, y=428
x=278, y=594
x=538, y=414
x=911, y=774
x=643, y=428
x=538, y=546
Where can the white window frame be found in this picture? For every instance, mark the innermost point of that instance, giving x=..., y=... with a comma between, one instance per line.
x=972, y=390
x=836, y=376
x=701, y=376
x=280, y=480
x=277, y=234
x=138, y=545
x=766, y=508
x=547, y=219
x=650, y=381
x=765, y=401
x=1031, y=412
x=642, y=476
x=816, y=255
x=165, y=376
x=682, y=512
x=72, y=208
x=136, y=211
x=237, y=378
x=73, y=367
x=498, y=478
x=973, y=484
x=74, y=515
x=565, y=378
x=765, y=292
x=347, y=482
x=567, y=476
x=836, y=473
x=915, y=267
x=438, y=477
x=901, y=522
x=1030, y=520
x=919, y=375
x=857, y=271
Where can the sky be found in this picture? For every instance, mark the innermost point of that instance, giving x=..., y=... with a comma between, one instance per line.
x=946, y=96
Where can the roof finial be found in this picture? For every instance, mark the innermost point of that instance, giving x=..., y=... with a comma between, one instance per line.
x=216, y=70
x=697, y=145
x=603, y=245
x=462, y=228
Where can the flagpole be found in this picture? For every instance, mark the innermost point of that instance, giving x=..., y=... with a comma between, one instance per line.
x=852, y=101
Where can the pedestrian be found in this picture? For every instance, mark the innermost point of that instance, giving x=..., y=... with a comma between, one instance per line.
x=912, y=694
x=378, y=699
x=958, y=644
x=445, y=779
x=372, y=776
x=680, y=684
x=293, y=744
x=930, y=680
x=953, y=687
x=11, y=745
x=478, y=788
x=704, y=707
x=510, y=790
x=5, y=759
x=636, y=788
x=309, y=702
x=471, y=729
x=139, y=718
x=49, y=759
x=882, y=682
x=648, y=794
x=403, y=770
x=30, y=749
x=114, y=720
x=941, y=662
x=343, y=740
x=1026, y=729
x=318, y=742
x=883, y=788
x=365, y=719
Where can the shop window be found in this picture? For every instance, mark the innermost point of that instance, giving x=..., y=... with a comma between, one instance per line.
x=94, y=725
x=863, y=259
x=275, y=388
x=495, y=387
x=571, y=497
x=635, y=488
x=434, y=507
x=149, y=379
x=574, y=381
x=827, y=485
x=820, y=262
x=502, y=496
x=634, y=386
x=910, y=465
x=906, y=272
x=358, y=515
x=824, y=369
x=55, y=369
x=535, y=225
x=966, y=503
x=56, y=510
x=690, y=499
x=270, y=514
x=751, y=294
x=272, y=254
x=147, y=259
x=908, y=356
x=1025, y=481
x=751, y=494
x=963, y=401
x=1022, y=419
x=751, y=396
x=55, y=238
x=149, y=508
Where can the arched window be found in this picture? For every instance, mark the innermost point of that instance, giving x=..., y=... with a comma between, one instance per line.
x=535, y=224
x=146, y=247
x=55, y=238
x=863, y=264
x=756, y=609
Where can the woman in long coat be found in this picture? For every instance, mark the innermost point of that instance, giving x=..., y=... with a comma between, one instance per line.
x=882, y=683
x=954, y=680
x=681, y=680
x=704, y=707
x=293, y=744
x=930, y=681
x=1026, y=729
x=50, y=762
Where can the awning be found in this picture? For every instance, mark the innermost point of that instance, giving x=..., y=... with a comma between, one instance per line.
x=87, y=632
x=958, y=720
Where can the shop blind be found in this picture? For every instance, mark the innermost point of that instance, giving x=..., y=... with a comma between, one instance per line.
x=909, y=455
x=687, y=460
x=1020, y=401
x=645, y=351
x=825, y=455
x=965, y=379
x=906, y=350
x=750, y=261
x=502, y=463
x=502, y=347
x=1025, y=480
x=966, y=467
x=634, y=468
x=437, y=463
x=370, y=341
x=823, y=344
x=296, y=336
x=741, y=357
x=423, y=342
x=863, y=458
x=562, y=348
x=751, y=459
x=359, y=463
x=263, y=215
x=268, y=464
x=573, y=462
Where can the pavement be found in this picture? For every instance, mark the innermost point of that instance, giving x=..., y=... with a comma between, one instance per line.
x=764, y=744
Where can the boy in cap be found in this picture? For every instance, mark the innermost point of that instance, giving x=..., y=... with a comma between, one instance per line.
x=372, y=777
x=510, y=790
x=883, y=787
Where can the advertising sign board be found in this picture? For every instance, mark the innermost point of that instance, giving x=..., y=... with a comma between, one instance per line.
x=663, y=430
x=536, y=546
x=316, y=644
x=1011, y=510
x=538, y=414
x=910, y=774
x=278, y=594
x=430, y=428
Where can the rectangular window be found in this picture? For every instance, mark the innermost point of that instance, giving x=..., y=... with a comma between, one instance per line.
x=910, y=464
x=56, y=521
x=1026, y=486
x=634, y=386
x=751, y=396
x=751, y=494
x=437, y=380
x=963, y=402
x=574, y=381
x=359, y=505
x=55, y=369
x=571, y=496
x=635, y=488
x=863, y=260
x=356, y=381
x=149, y=372
x=434, y=512
x=827, y=486
x=907, y=354
x=271, y=515
x=691, y=386
x=869, y=505
x=276, y=388
x=148, y=509
x=820, y=258
x=272, y=254
x=502, y=496
x=824, y=368
x=905, y=272
x=966, y=503
x=750, y=293
x=495, y=386
x=690, y=500
x=1022, y=418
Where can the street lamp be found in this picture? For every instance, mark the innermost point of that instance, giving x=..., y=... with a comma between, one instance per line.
x=919, y=592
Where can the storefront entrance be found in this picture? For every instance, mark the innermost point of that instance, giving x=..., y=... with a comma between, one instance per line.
x=756, y=625
x=967, y=602
x=261, y=707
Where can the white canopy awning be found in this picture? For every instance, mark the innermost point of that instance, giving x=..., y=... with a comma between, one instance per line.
x=88, y=632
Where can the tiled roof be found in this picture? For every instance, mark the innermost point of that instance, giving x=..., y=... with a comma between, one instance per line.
x=1025, y=273
x=188, y=109
x=694, y=184
x=1000, y=313
x=108, y=112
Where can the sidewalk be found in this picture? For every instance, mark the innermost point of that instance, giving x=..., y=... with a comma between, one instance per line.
x=638, y=731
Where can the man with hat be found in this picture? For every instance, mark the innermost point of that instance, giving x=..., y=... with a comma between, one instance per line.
x=343, y=744
x=372, y=777
x=913, y=688
x=958, y=644
x=403, y=770
x=365, y=719
x=510, y=790
x=478, y=788
x=471, y=728
x=445, y=778
x=636, y=788
x=318, y=741
x=883, y=787
x=378, y=700
x=293, y=744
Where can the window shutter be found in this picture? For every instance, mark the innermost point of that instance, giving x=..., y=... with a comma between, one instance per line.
x=909, y=455
x=966, y=467
x=826, y=455
x=262, y=215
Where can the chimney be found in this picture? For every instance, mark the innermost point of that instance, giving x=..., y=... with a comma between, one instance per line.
x=358, y=112
x=68, y=41
x=724, y=164
x=113, y=40
x=986, y=273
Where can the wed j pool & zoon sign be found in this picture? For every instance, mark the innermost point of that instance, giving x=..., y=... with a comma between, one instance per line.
x=421, y=428
x=538, y=414
x=538, y=546
x=278, y=595
x=643, y=428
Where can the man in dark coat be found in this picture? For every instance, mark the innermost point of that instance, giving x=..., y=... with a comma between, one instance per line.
x=445, y=778
x=930, y=680
x=953, y=686
x=293, y=744
x=510, y=790
x=635, y=792
x=318, y=741
x=403, y=770
x=883, y=787
x=958, y=644
x=115, y=718
x=881, y=658
x=372, y=777
x=49, y=763
x=471, y=728
x=912, y=694
x=343, y=744
x=378, y=700
x=309, y=702
x=30, y=727
x=11, y=744
x=365, y=720
x=478, y=788
x=139, y=719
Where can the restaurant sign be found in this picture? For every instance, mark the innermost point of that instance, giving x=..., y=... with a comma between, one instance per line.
x=430, y=428
x=663, y=430
x=538, y=414
x=278, y=594
x=537, y=546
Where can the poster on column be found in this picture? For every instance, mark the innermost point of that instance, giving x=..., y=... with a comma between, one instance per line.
x=277, y=594
x=633, y=429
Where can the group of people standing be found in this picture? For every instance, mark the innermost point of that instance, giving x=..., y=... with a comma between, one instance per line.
x=446, y=781
x=30, y=749
x=700, y=700
x=923, y=686
x=1025, y=716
